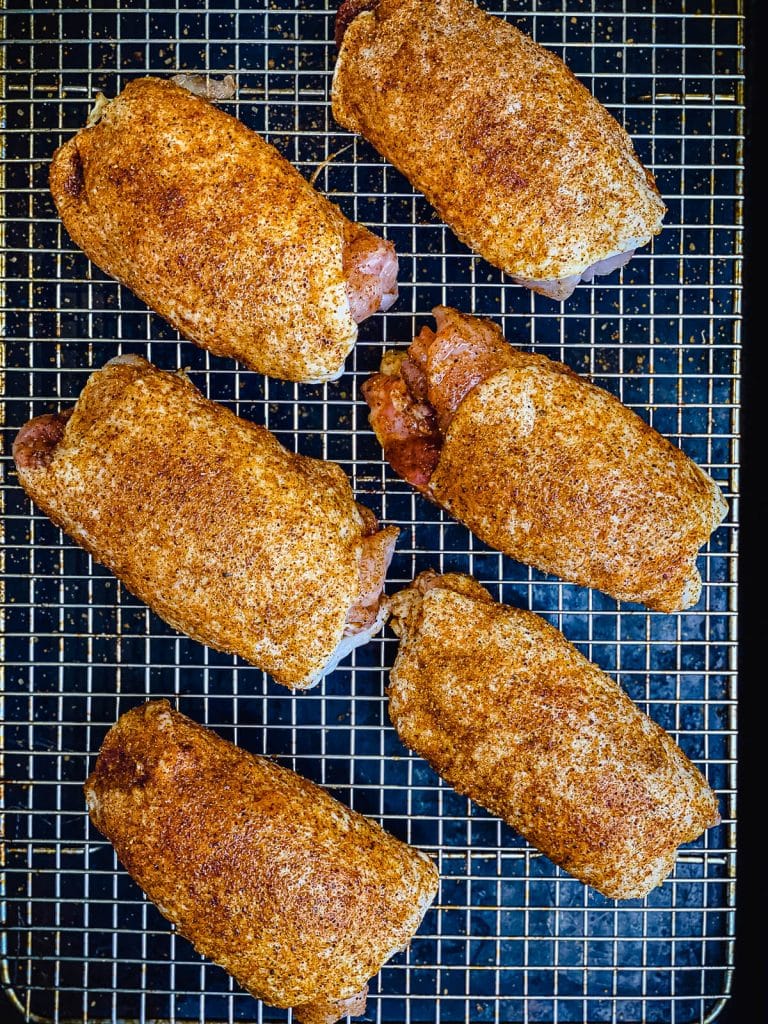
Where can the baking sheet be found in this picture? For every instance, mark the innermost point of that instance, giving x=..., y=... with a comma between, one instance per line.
x=510, y=938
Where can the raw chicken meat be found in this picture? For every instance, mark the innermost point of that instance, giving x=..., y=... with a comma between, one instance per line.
x=515, y=154
x=543, y=465
x=301, y=899
x=228, y=536
x=370, y=266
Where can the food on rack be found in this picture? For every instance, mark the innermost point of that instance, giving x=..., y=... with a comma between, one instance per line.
x=543, y=465
x=513, y=716
x=224, y=533
x=301, y=899
x=516, y=155
x=210, y=226
x=208, y=87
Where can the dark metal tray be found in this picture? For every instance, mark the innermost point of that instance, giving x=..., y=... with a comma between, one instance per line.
x=511, y=938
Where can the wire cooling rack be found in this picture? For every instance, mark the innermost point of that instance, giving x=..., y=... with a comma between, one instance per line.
x=511, y=938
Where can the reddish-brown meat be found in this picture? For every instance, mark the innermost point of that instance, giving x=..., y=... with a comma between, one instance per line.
x=218, y=233
x=301, y=899
x=461, y=355
x=35, y=443
x=542, y=465
x=406, y=427
x=414, y=398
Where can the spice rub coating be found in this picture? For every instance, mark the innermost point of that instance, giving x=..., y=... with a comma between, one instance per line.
x=204, y=516
x=516, y=155
x=210, y=226
x=557, y=473
x=543, y=465
x=513, y=716
x=301, y=899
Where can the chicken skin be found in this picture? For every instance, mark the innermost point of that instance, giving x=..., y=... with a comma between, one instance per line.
x=204, y=516
x=513, y=716
x=543, y=465
x=301, y=899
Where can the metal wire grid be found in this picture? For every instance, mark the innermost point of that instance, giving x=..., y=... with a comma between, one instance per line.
x=510, y=938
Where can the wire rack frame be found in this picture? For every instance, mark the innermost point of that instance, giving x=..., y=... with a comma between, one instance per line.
x=510, y=938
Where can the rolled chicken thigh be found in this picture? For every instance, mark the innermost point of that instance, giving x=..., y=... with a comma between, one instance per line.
x=229, y=537
x=516, y=155
x=210, y=226
x=543, y=465
x=301, y=899
x=513, y=716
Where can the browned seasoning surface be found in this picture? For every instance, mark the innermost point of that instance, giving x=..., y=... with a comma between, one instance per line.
x=204, y=516
x=516, y=155
x=301, y=899
x=513, y=716
x=543, y=465
x=558, y=474
x=210, y=226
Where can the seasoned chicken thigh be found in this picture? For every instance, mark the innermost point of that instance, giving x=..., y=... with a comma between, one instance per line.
x=228, y=536
x=301, y=899
x=518, y=158
x=217, y=232
x=543, y=465
x=513, y=716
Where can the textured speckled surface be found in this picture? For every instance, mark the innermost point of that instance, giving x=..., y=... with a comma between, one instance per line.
x=510, y=937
